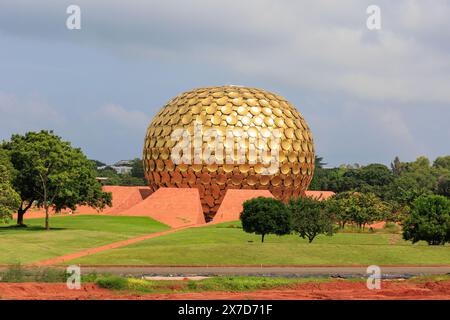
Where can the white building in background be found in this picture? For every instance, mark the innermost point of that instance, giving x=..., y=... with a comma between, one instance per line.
x=121, y=167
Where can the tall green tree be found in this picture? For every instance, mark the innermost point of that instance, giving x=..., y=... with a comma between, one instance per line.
x=52, y=174
x=310, y=217
x=264, y=216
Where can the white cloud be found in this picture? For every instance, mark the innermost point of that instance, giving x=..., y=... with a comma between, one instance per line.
x=19, y=114
x=129, y=119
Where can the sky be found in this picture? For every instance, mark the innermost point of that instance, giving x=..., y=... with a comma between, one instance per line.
x=368, y=95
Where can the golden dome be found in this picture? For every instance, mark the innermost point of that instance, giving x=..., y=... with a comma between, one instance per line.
x=248, y=124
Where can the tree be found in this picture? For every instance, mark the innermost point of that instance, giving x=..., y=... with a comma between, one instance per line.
x=265, y=216
x=367, y=209
x=357, y=207
x=340, y=206
x=429, y=220
x=50, y=173
x=97, y=163
x=9, y=199
x=310, y=218
x=318, y=163
x=396, y=166
x=137, y=170
x=443, y=186
x=442, y=162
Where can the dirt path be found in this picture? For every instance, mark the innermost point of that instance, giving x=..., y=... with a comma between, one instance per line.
x=79, y=254
x=335, y=290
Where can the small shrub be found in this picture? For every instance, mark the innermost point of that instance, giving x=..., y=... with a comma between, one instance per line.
x=112, y=282
x=14, y=273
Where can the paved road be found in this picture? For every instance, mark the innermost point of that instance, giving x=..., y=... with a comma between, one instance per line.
x=291, y=271
x=274, y=271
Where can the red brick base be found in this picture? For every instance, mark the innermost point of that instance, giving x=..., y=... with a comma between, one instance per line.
x=231, y=206
x=175, y=207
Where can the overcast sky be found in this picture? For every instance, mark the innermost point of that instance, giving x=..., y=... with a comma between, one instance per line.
x=368, y=96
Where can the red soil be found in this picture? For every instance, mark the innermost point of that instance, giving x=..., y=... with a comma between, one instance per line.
x=320, y=195
x=335, y=290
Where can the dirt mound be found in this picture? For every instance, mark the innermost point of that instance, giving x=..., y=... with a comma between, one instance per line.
x=231, y=206
x=174, y=207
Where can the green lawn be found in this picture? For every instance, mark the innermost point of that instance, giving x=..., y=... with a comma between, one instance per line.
x=224, y=245
x=68, y=234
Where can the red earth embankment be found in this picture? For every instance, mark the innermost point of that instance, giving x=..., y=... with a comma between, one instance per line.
x=334, y=290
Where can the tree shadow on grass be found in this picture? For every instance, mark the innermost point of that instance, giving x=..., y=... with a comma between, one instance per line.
x=19, y=229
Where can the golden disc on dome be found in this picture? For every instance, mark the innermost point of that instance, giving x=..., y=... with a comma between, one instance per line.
x=259, y=168
x=233, y=94
x=216, y=120
x=228, y=167
x=267, y=111
x=196, y=109
x=222, y=101
x=176, y=177
x=206, y=101
x=245, y=121
x=285, y=168
x=211, y=109
x=269, y=121
x=255, y=110
x=282, y=156
x=286, y=145
x=289, y=133
x=212, y=167
x=296, y=168
x=279, y=122
x=236, y=179
x=237, y=101
x=205, y=178
x=264, y=180
x=290, y=123
x=252, y=102
x=258, y=121
x=292, y=156
x=221, y=179
x=183, y=109
x=218, y=94
x=252, y=180
x=264, y=103
x=252, y=132
x=186, y=119
x=275, y=103
x=226, y=109
x=242, y=110
x=288, y=181
x=244, y=168
x=277, y=112
x=276, y=180
x=231, y=119
x=165, y=153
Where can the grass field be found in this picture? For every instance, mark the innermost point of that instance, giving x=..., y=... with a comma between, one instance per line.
x=68, y=234
x=227, y=244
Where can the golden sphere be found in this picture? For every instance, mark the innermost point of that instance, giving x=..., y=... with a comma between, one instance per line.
x=266, y=144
